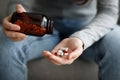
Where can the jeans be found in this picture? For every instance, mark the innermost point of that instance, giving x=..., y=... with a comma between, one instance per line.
x=15, y=55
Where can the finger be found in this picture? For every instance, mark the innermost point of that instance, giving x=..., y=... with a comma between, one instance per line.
x=16, y=39
x=74, y=54
x=20, y=8
x=12, y=34
x=57, y=48
x=10, y=26
x=60, y=45
x=54, y=51
x=13, y=38
x=50, y=57
x=56, y=59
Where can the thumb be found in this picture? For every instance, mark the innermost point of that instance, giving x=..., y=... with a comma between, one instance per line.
x=20, y=8
x=75, y=54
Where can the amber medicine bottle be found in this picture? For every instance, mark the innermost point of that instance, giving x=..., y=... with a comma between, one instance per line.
x=32, y=23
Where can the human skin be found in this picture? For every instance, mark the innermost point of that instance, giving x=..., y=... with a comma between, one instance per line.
x=74, y=45
x=75, y=49
x=10, y=29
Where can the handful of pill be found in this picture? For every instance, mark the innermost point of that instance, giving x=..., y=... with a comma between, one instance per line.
x=62, y=52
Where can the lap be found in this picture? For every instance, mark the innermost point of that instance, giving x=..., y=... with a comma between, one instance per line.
x=36, y=45
x=31, y=46
x=108, y=44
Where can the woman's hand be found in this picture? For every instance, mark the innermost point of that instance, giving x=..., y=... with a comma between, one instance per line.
x=75, y=49
x=10, y=29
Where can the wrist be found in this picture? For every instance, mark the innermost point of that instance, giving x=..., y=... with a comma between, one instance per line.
x=79, y=41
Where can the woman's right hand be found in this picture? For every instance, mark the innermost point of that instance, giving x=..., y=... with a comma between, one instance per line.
x=10, y=29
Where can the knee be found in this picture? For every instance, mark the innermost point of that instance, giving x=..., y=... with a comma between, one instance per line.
x=111, y=41
x=9, y=51
x=109, y=46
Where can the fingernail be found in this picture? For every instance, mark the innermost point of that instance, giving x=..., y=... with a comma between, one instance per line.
x=17, y=27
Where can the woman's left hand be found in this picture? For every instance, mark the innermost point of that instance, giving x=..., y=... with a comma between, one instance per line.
x=75, y=49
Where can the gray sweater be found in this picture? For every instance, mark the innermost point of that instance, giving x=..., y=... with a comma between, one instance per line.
x=102, y=15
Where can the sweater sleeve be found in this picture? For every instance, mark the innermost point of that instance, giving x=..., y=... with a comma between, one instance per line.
x=105, y=20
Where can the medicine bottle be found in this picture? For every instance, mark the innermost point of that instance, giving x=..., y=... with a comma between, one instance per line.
x=32, y=23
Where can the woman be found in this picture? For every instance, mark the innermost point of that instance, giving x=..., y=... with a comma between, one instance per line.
x=88, y=28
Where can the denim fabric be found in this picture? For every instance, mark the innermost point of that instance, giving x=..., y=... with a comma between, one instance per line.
x=15, y=55
x=102, y=14
x=106, y=53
